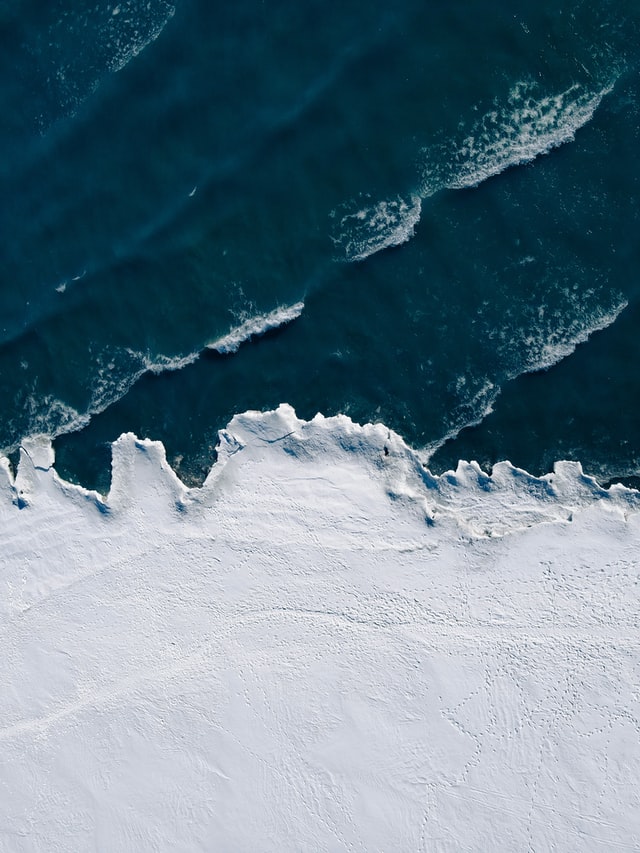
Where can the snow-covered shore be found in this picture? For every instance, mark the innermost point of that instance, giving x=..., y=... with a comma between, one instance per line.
x=325, y=648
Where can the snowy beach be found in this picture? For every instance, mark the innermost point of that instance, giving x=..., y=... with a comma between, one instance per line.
x=323, y=648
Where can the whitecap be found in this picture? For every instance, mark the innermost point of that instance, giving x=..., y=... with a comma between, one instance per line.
x=511, y=133
x=256, y=326
x=517, y=132
x=543, y=351
x=49, y=417
x=162, y=363
x=372, y=227
x=544, y=347
x=117, y=369
x=105, y=39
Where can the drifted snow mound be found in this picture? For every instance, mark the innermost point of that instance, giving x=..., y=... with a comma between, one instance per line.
x=324, y=648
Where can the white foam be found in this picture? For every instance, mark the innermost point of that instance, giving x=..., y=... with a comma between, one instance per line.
x=163, y=363
x=256, y=326
x=49, y=417
x=117, y=369
x=470, y=412
x=115, y=372
x=373, y=227
x=510, y=134
x=558, y=343
x=518, y=132
x=325, y=647
x=136, y=30
x=544, y=346
x=106, y=38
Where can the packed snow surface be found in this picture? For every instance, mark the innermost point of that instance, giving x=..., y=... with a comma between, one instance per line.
x=324, y=648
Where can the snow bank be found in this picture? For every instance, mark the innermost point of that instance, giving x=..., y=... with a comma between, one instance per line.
x=323, y=648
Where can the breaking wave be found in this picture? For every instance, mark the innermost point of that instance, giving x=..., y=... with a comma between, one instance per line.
x=377, y=226
x=518, y=133
x=254, y=327
x=510, y=134
x=82, y=46
x=117, y=370
x=557, y=344
x=545, y=346
x=120, y=370
x=49, y=416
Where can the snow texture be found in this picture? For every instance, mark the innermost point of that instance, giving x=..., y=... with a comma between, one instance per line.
x=324, y=648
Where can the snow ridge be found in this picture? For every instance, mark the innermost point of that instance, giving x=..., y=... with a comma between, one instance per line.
x=323, y=626
x=482, y=505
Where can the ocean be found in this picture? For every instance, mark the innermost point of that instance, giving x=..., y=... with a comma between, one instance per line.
x=418, y=214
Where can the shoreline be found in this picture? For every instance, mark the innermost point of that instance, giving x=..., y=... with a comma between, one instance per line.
x=320, y=628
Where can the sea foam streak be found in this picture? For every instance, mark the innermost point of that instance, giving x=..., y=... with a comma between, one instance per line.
x=518, y=133
x=133, y=38
x=118, y=369
x=510, y=134
x=104, y=39
x=256, y=326
x=377, y=226
x=323, y=619
x=544, y=347
x=556, y=345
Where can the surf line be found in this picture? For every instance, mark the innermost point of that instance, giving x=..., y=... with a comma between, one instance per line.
x=255, y=327
x=513, y=133
x=71, y=420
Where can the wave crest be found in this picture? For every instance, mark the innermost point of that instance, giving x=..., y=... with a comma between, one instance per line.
x=82, y=47
x=254, y=327
x=116, y=370
x=377, y=226
x=525, y=128
x=509, y=134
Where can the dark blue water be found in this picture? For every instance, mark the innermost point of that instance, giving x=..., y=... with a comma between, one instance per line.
x=450, y=191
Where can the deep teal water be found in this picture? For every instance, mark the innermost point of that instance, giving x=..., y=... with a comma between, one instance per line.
x=304, y=129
